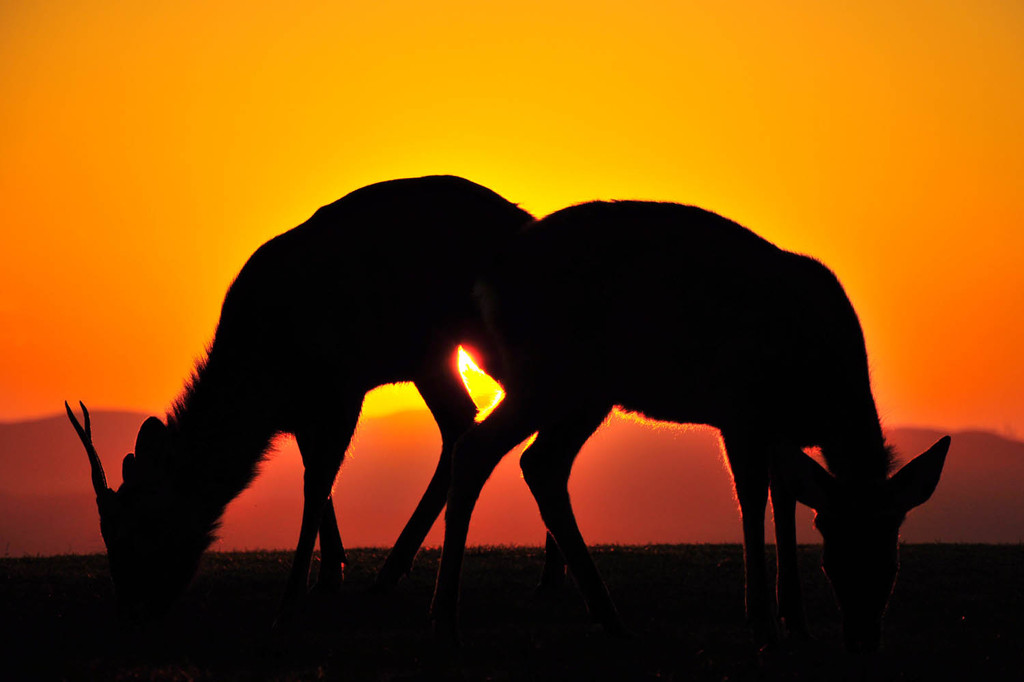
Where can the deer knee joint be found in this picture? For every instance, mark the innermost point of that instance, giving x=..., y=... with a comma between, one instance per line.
x=532, y=467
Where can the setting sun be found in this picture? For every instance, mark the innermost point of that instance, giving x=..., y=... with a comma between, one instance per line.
x=485, y=391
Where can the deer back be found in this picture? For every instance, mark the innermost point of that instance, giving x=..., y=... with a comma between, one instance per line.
x=672, y=311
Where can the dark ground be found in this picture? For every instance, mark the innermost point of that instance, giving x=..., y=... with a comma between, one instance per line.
x=956, y=615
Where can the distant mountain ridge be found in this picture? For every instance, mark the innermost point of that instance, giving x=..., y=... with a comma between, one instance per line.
x=632, y=484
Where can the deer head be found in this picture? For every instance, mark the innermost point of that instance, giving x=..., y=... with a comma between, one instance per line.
x=860, y=530
x=148, y=529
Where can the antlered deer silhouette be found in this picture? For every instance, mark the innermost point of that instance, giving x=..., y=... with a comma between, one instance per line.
x=373, y=289
x=685, y=316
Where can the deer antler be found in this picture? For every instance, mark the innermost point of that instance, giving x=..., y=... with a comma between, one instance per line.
x=99, y=480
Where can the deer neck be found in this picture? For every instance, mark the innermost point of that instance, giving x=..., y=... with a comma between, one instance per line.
x=855, y=450
x=220, y=430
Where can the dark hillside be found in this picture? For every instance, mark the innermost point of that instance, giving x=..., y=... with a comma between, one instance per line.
x=632, y=483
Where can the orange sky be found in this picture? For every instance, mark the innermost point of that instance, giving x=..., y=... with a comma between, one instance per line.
x=146, y=149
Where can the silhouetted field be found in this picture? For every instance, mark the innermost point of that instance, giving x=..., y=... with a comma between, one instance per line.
x=956, y=614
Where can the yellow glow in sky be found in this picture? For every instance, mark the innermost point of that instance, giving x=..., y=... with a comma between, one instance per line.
x=146, y=149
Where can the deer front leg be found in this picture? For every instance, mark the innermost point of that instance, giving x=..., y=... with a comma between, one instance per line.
x=546, y=465
x=750, y=475
x=552, y=578
x=474, y=458
x=400, y=558
x=332, y=552
x=454, y=411
x=322, y=444
x=315, y=492
x=788, y=591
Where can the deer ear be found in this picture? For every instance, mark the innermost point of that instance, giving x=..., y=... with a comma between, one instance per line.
x=128, y=468
x=152, y=437
x=151, y=451
x=807, y=480
x=915, y=482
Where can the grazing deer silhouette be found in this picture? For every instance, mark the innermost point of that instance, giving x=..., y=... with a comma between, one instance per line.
x=373, y=289
x=684, y=316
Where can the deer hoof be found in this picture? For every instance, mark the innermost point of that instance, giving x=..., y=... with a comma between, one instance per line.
x=613, y=626
x=550, y=590
x=285, y=619
x=386, y=581
x=797, y=631
x=767, y=636
x=446, y=636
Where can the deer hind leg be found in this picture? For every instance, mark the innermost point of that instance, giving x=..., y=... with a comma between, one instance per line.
x=788, y=591
x=454, y=411
x=749, y=464
x=332, y=552
x=552, y=578
x=546, y=465
x=322, y=443
x=474, y=458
